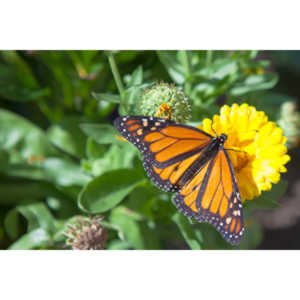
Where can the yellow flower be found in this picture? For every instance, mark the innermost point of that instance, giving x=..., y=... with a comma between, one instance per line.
x=255, y=146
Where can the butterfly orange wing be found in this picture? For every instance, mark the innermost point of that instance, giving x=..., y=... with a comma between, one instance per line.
x=175, y=157
x=212, y=196
x=171, y=152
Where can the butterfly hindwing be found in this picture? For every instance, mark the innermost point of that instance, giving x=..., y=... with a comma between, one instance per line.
x=171, y=152
x=212, y=196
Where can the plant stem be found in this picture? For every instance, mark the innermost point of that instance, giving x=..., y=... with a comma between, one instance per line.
x=116, y=74
x=187, y=66
x=186, y=62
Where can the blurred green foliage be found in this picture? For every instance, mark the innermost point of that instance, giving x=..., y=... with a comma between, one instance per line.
x=60, y=156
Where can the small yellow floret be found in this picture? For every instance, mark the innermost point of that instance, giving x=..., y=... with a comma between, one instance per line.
x=164, y=111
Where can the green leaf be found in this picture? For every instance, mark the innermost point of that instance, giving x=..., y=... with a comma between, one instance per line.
x=203, y=89
x=55, y=170
x=11, y=224
x=17, y=81
x=12, y=193
x=22, y=139
x=64, y=173
x=64, y=207
x=175, y=70
x=219, y=69
x=132, y=99
x=255, y=83
x=22, y=70
x=129, y=226
x=223, y=68
x=143, y=199
x=21, y=94
x=59, y=67
x=125, y=56
x=137, y=77
x=25, y=170
x=212, y=239
x=37, y=214
x=4, y=159
x=136, y=233
x=192, y=237
x=68, y=136
x=107, y=97
x=267, y=200
x=117, y=157
x=38, y=217
x=118, y=245
x=31, y=240
x=101, y=133
x=253, y=235
x=106, y=191
x=94, y=150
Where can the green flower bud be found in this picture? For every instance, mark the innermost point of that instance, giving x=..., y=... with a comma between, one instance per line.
x=165, y=101
x=289, y=121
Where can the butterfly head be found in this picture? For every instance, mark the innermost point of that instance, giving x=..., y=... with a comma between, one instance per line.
x=222, y=138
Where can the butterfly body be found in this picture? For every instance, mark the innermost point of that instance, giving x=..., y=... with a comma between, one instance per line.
x=186, y=160
x=209, y=152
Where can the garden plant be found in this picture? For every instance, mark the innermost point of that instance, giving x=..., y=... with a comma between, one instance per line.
x=69, y=180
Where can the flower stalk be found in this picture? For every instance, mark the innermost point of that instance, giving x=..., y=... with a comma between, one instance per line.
x=116, y=74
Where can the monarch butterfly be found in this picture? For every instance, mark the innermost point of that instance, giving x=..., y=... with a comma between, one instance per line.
x=186, y=160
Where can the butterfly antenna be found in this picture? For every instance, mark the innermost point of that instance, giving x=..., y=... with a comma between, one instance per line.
x=212, y=128
x=235, y=150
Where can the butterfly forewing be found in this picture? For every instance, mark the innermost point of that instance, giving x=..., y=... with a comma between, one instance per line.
x=170, y=151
